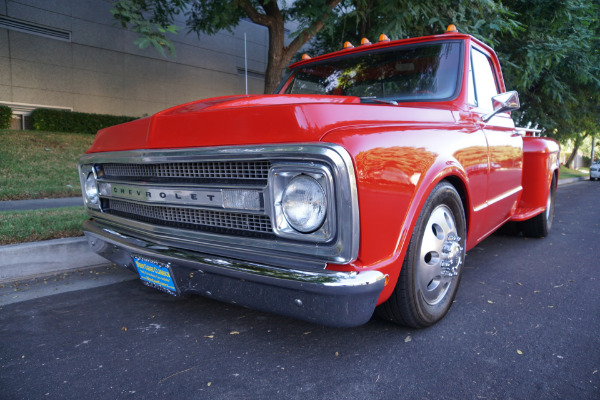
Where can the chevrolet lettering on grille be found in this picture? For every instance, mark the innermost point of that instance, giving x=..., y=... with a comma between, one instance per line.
x=204, y=197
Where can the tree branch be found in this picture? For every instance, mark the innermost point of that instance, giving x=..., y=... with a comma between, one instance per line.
x=254, y=15
x=309, y=32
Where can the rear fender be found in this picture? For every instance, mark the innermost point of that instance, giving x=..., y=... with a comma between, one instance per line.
x=540, y=165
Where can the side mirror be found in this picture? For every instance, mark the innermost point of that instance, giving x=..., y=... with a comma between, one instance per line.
x=503, y=102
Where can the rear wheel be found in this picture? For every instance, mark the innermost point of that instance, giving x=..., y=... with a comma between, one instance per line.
x=540, y=225
x=432, y=267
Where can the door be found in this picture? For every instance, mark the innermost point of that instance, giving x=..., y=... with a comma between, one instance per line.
x=504, y=144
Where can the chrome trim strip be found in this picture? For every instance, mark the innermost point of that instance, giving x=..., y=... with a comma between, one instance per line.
x=504, y=195
x=325, y=297
x=498, y=198
x=341, y=248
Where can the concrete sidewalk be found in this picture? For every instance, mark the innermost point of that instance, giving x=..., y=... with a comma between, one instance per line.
x=27, y=260
x=37, y=204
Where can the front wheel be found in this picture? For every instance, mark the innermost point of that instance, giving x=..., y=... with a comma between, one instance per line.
x=432, y=267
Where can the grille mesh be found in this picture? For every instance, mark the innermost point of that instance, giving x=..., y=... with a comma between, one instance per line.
x=192, y=170
x=187, y=217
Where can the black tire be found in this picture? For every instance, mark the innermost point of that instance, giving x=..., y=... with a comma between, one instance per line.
x=426, y=289
x=540, y=225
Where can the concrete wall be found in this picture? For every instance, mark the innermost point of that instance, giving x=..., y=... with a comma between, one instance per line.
x=100, y=70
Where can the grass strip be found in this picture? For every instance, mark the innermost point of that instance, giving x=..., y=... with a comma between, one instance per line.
x=565, y=172
x=34, y=225
x=37, y=165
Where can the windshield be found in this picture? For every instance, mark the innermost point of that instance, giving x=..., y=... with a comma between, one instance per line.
x=423, y=72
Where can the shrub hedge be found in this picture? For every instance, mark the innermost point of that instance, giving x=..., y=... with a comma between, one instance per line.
x=5, y=117
x=44, y=119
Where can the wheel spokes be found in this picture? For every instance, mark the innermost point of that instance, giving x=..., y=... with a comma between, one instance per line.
x=432, y=280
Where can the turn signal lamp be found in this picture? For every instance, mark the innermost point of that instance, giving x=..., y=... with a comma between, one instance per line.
x=364, y=41
x=305, y=56
x=451, y=29
x=348, y=45
x=383, y=38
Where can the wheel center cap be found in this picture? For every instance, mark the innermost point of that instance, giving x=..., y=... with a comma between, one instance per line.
x=451, y=256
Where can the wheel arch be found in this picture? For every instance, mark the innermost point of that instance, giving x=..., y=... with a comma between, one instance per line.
x=457, y=178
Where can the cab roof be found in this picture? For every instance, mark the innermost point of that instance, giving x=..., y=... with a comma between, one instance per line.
x=390, y=43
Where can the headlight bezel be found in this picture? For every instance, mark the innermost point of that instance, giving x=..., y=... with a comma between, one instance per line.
x=280, y=176
x=87, y=172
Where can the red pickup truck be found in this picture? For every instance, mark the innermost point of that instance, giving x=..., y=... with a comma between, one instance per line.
x=358, y=186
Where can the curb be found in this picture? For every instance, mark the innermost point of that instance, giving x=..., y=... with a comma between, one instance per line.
x=36, y=204
x=26, y=260
x=566, y=181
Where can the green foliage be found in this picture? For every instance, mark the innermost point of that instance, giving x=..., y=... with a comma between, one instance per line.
x=211, y=16
x=67, y=121
x=400, y=19
x=5, y=117
x=151, y=19
x=554, y=64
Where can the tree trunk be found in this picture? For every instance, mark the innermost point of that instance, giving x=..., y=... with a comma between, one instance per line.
x=578, y=142
x=279, y=54
x=277, y=60
x=572, y=156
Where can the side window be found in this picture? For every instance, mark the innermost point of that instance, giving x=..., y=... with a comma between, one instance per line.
x=485, y=80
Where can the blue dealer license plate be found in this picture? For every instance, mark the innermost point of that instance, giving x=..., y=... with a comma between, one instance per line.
x=155, y=275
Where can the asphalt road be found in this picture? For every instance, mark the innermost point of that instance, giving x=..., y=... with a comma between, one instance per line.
x=525, y=325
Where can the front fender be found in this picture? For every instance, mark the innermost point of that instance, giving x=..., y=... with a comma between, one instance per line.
x=395, y=174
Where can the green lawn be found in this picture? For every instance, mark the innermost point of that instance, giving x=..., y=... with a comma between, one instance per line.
x=565, y=172
x=33, y=225
x=37, y=165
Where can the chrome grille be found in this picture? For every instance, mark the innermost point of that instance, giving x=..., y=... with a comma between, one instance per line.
x=192, y=170
x=187, y=217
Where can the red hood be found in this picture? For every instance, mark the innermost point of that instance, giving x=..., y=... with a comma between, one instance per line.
x=247, y=120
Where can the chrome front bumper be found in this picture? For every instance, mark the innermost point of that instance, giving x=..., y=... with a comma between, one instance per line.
x=331, y=298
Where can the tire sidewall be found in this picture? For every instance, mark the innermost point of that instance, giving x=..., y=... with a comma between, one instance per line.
x=428, y=314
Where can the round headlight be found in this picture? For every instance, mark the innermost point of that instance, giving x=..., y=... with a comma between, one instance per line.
x=304, y=204
x=91, y=189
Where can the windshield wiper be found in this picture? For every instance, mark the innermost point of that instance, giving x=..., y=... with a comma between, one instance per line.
x=376, y=100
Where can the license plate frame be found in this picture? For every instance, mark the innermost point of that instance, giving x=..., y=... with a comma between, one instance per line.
x=155, y=274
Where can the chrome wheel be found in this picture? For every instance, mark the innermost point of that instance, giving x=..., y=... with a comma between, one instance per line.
x=432, y=266
x=440, y=256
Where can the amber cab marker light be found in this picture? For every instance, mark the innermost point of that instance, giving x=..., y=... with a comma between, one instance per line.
x=383, y=38
x=306, y=56
x=364, y=41
x=451, y=29
x=348, y=45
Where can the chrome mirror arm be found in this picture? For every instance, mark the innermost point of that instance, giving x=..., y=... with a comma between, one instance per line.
x=508, y=101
